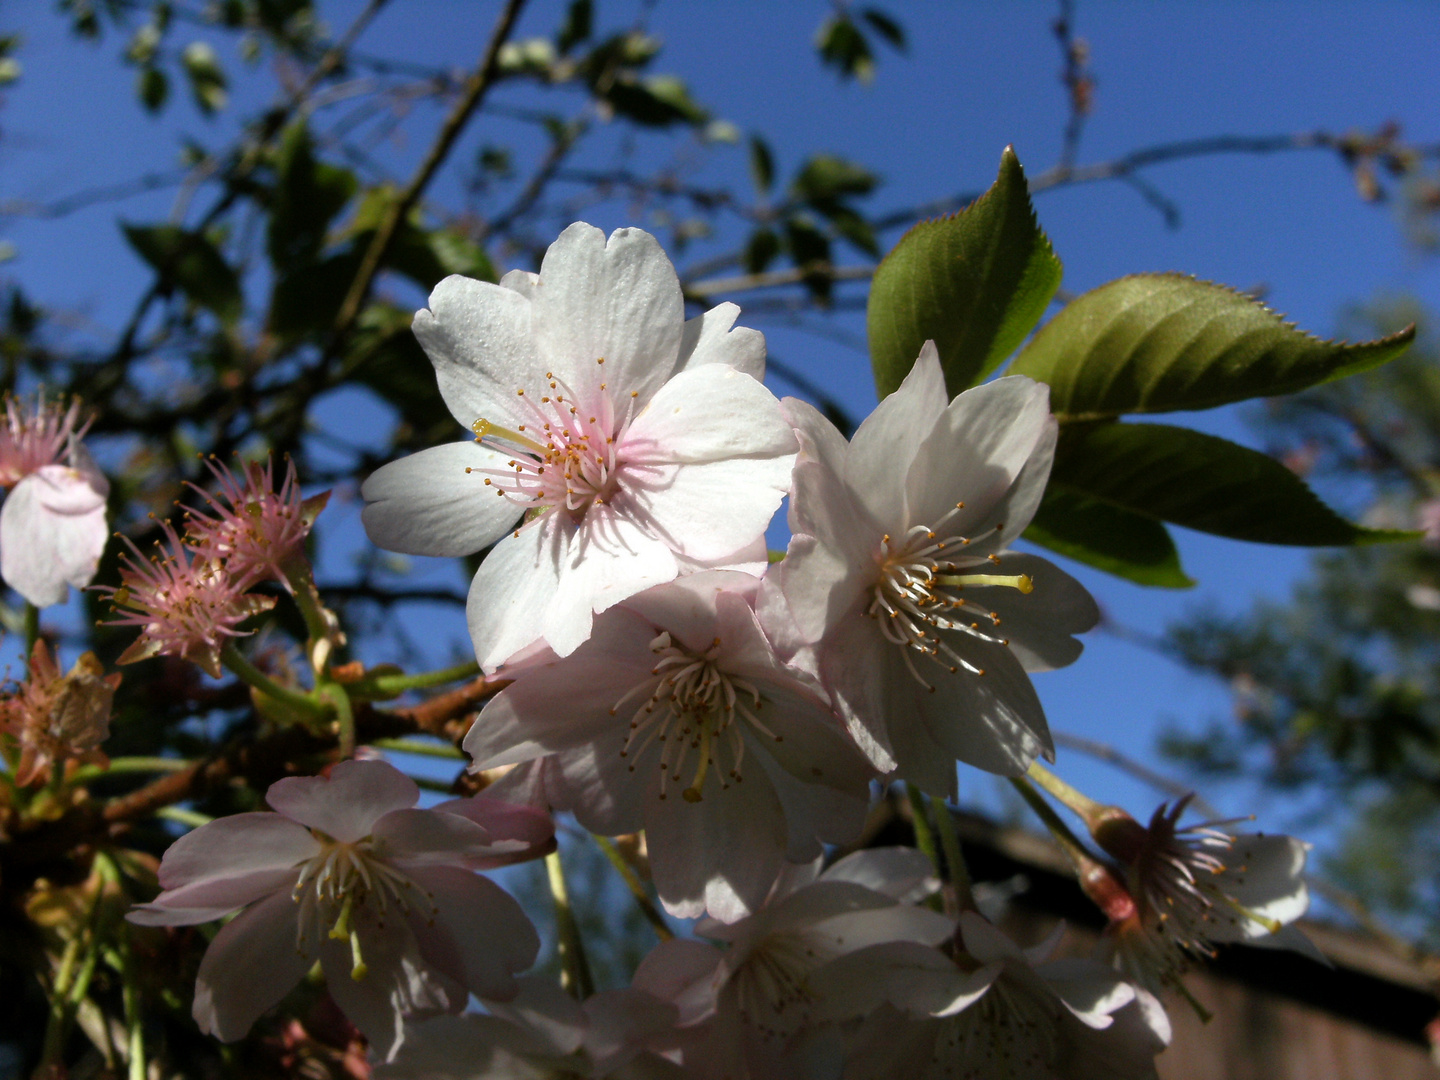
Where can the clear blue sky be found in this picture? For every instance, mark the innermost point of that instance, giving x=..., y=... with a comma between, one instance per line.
x=977, y=76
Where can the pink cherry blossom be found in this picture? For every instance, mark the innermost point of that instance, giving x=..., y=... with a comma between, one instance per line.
x=350, y=873
x=992, y=1011
x=635, y=445
x=542, y=1033
x=743, y=1006
x=52, y=525
x=898, y=590
x=677, y=718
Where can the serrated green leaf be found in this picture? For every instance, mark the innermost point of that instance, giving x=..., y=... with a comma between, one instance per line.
x=1108, y=538
x=1202, y=482
x=1161, y=342
x=762, y=164
x=189, y=261
x=976, y=282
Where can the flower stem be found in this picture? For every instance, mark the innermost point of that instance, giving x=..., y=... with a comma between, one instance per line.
x=957, y=871
x=32, y=629
x=131, y=764
x=636, y=887
x=575, y=976
x=398, y=684
x=419, y=747
x=1046, y=813
x=193, y=818
x=920, y=820
x=249, y=673
x=344, y=716
x=1085, y=807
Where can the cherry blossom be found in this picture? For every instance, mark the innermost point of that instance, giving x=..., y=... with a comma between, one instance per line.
x=543, y=1034
x=52, y=525
x=677, y=718
x=992, y=1011
x=1200, y=885
x=635, y=445
x=898, y=589
x=348, y=872
x=743, y=1006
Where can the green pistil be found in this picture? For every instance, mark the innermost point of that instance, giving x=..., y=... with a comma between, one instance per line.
x=1014, y=581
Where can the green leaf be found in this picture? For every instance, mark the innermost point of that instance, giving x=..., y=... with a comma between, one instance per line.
x=1202, y=482
x=153, y=88
x=885, y=25
x=824, y=180
x=1108, y=538
x=309, y=195
x=760, y=250
x=976, y=282
x=1161, y=342
x=578, y=26
x=810, y=250
x=655, y=101
x=207, y=80
x=842, y=46
x=762, y=164
x=189, y=261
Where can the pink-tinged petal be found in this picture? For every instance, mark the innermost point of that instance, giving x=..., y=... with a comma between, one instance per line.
x=233, y=846
x=617, y=300
x=1126, y=1048
x=622, y=1023
x=719, y=855
x=815, y=903
x=984, y=439
x=252, y=963
x=984, y=942
x=430, y=503
x=892, y=436
x=398, y=983
x=914, y=978
x=565, y=703
x=710, y=413
x=830, y=577
x=598, y=786
x=684, y=972
x=901, y=873
x=687, y=608
x=410, y=836
x=815, y=813
x=478, y=935
x=752, y=559
x=479, y=338
x=861, y=670
x=1039, y=624
x=709, y=339
x=52, y=534
x=708, y=511
x=210, y=899
x=892, y=922
x=517, y=833
x=820, y=440
x=346, y=804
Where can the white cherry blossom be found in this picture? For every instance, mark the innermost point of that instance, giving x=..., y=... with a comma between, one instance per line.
x=350, y=873
x=898, y=589
x=634, y=444
x=676, y=717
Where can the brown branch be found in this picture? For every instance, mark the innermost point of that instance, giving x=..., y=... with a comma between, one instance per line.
x=476, y=87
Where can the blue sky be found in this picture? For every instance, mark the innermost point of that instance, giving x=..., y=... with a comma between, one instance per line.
x=977, y=76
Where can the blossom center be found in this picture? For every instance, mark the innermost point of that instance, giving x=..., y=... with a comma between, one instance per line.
x=340, y=880
x=921, y=589
x=566, y=454
x=695, y=710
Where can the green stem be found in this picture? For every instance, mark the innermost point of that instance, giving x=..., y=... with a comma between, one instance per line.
x=919, y=817
x=57, y=1024
x=32, y=629
x=958, y=872
x=1084, y=806
x=249, y=673
x=131, y=764
x=637, y=889
x=344, y=716
x=398, y=684
x=193, y=818
x=419, y=747
x=575, y=975
x=1046, y=813
x=134, y=1017
x=307, y=598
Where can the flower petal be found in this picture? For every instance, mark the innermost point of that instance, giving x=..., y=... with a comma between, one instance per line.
x=479, y=338
x=709, y=339
x=517, y=832
x=430, y=503
x=617, y=300
x=412, y=836
x=1039, y=625
x=52, y=534
x=894, y=436
x=346, y=804
x=478, y=934
x=214, y=898
x=229, y=847
x=252, y=963
x=711, y=413
x=901, y=873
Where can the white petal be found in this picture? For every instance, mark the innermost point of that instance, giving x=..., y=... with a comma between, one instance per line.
x=52, y=534
x=346, y=804
x=409, y=836
x=232, y=846
x=213, y=899
x=709, y=511
x=710, y=413
x=709, y=339
x=682, y=971
x=428, y=504
x=619, y=301
x=893, y=435
x=1265, y=876
x=479, y=338
x=820, y=440
x=913, y=977
x=898, y=872
x=1039, y=625
x=480, y=937
x=1091, y=991
x=252, y=963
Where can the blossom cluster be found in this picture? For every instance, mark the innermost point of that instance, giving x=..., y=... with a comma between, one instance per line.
x=665, y=675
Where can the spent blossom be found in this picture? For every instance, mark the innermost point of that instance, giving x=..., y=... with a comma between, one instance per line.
x=898, y=590
x=635, y=445
x=676, y=717
x=54, y=718
x=52, y=525
x=348, y=872
x=185, y=605
x=256, y=529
